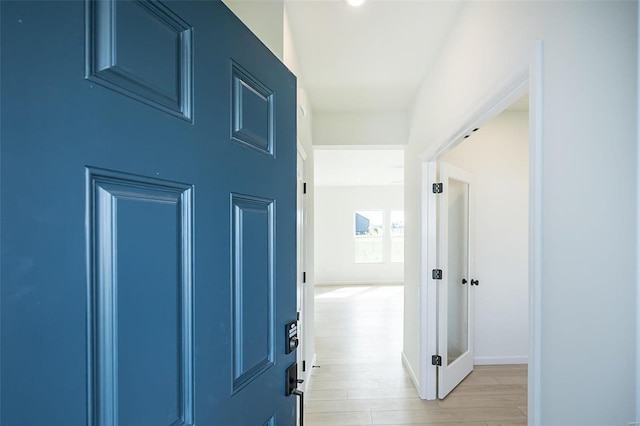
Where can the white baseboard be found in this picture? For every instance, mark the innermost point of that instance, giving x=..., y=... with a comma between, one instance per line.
x=413, y=376
x=307, y=374
x=498, y=360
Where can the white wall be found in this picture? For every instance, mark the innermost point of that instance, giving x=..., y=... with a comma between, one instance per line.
x=498, y=157
x=589, y=187
x=265, y=18
x=361, y=128
x=334, y=234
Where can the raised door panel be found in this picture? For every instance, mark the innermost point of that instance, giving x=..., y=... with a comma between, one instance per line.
x=253, y=298
x=252, y=111
x=141, y=49
x=141, y=300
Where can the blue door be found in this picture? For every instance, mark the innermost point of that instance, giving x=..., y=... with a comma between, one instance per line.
x=147, y=217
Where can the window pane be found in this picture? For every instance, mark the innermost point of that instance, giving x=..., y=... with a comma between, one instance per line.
x=369, y=229
x=369, y=250
x=397, y=223
x=369, y=223
x=397, y=249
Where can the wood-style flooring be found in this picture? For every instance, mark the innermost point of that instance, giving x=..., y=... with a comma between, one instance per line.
x=360, y=380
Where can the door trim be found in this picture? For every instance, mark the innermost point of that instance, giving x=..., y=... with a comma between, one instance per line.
x=527, y=78
x=302, y=261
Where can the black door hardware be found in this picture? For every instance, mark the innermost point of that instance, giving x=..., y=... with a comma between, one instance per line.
x=292, y=388
x=291, y=337
x=464, y=281
x=475, y=282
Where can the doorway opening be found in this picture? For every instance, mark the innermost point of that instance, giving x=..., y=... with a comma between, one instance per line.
x=359, y=215
x=485, y=315
x=358, y=244
x=525, y=80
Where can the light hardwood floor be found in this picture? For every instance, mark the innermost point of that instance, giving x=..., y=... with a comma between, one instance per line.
x=360, y=379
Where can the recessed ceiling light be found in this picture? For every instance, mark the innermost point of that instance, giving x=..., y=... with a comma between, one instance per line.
x=355, y=3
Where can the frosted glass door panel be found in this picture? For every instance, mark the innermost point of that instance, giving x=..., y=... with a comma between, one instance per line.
x=458, y=302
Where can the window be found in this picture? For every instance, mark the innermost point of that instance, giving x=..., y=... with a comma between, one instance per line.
x=369, y=233
x=396, y=223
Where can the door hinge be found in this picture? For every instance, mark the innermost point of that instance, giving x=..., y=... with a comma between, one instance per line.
x=436, y=360
x=438, y=188
x=436, y=274
x=304, y=366
x=304, y=188
x=304, y=277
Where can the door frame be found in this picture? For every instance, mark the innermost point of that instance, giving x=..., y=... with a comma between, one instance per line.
x=527, y=78
x=301, y=261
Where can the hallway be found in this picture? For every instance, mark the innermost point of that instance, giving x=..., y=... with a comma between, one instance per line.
x=360, y=380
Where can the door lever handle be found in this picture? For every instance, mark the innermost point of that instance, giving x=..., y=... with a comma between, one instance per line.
x=464, y=281
x=292, y=382
x=475, y=282
x=298, y=392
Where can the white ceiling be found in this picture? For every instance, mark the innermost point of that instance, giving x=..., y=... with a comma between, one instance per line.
x=371, y=58
x=358, y=167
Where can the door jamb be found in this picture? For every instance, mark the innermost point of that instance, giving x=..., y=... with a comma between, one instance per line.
x=528, y=78
x=301, y=252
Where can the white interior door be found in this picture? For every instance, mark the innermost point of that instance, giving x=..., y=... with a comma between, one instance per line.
x=455, y=307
